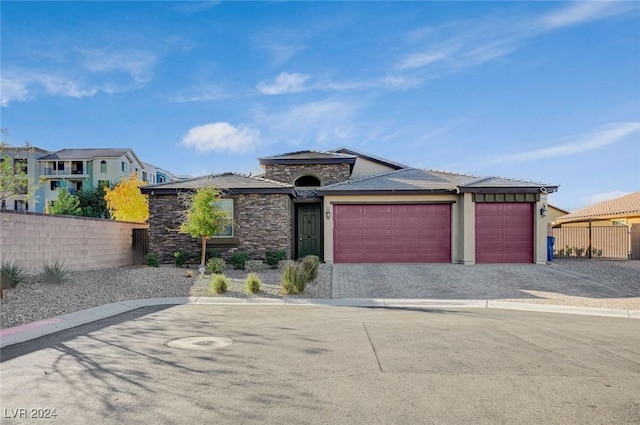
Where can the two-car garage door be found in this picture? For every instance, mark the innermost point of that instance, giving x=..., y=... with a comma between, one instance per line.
x=392, y=233
x=421, y=233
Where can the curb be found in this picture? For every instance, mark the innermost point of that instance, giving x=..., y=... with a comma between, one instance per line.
x=29, y=331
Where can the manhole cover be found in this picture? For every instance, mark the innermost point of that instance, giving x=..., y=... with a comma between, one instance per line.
x=199, y=343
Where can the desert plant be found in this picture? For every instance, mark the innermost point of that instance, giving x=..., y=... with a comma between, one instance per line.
x=292, y=280
x=55, y=272
x=215, y=265
x=579, y=252
x=181, y=257
x=212, y=253
x=151, y=259
x=219, y=283
x=12, y=274
x=274, y=257
x=252, y=283
x=239, y=260
x=568, y=250
x=309, y=268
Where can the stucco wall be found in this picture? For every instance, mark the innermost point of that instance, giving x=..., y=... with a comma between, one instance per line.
x=262, y=223
x=81, y=243
x=364, y=167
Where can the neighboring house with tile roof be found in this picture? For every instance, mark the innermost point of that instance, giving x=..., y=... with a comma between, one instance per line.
x=29, y=157
x=346, y=207
x=622, y=210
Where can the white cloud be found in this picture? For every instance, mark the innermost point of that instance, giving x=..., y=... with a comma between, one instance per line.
x=464, y=44
x=580, y=12
x=284, y=83
x=600, y=197
x=136, y=63
x=221, y=136
x=19, y=86
x=202, y=94
x=585, y=142
x=324, y=122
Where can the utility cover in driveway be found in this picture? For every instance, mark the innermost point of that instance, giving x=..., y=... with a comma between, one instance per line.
x=504, y=232
x=407, y=233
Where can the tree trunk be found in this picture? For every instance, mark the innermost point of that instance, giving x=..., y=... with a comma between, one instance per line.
x=204, y=251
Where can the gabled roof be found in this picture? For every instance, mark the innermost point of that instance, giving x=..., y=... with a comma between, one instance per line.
x=232, y=182
x=627, y=205
x=413, y=180
x=309, y=157
x=407, y=180
x=69, y=154
x=377, y=159
x=490, y=184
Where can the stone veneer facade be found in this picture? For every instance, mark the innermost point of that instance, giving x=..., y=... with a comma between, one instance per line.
x=328, y=173
x=262, y=223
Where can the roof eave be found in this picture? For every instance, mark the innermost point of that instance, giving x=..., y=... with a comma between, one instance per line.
x=386, y=192
x=247, y=190
x=306, y=161
x=510, y=189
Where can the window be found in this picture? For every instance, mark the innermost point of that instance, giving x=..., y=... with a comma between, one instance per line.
x=76, y=185
x=103, y=166
x=20, y=165
x=60, y=166
x=21, y=206
x=103, y=183
x=145, y=176
x=55, y=184
x=123, y=167
x=227, y=205
x=307, y=181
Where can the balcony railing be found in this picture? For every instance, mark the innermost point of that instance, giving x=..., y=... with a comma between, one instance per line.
x=52, y=172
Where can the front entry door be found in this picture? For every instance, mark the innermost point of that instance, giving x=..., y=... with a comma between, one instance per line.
x=309, y=228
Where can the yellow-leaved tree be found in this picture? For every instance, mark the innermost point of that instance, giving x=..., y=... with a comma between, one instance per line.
x=125, y=201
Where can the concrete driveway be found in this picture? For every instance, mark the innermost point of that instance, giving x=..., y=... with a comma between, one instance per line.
x=604, y=284
x=328, y=365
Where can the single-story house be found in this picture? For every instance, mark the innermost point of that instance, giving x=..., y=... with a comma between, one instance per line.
x=622, y=210
x=350, y=207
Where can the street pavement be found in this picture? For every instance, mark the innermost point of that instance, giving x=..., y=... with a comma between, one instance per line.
x=328, y=365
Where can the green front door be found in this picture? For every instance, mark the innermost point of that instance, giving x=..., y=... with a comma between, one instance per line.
x=309, y=229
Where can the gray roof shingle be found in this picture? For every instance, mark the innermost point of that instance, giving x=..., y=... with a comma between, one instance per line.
x=225, y=181
x=86, y=153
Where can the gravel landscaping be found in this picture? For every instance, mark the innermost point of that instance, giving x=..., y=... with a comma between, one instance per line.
x=35, y=300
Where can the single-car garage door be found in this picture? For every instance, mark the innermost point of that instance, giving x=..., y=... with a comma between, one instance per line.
x=408, y=233
x=504, y=232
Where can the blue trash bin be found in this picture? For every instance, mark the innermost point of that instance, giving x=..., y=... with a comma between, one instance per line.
x=550, y=242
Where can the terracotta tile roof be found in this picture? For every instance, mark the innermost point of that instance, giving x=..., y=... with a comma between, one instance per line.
x=619, y=207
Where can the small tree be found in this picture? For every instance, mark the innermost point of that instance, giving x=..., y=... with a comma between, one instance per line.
x=67, y=204
x=92, y=202
x=14, y=180
x=125, y=201
x=203, y=217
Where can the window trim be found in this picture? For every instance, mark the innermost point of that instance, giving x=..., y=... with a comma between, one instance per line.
x=103, y=166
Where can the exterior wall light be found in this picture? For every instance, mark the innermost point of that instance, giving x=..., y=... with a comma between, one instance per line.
x=543, y=210
x=327, y=213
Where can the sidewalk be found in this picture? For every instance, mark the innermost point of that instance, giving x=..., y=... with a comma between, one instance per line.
x=23, y=333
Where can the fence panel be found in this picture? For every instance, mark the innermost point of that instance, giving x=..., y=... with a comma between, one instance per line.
x=597, y=242
x=140, y=245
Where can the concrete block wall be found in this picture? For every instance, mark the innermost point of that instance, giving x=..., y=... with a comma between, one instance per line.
x=81, y=243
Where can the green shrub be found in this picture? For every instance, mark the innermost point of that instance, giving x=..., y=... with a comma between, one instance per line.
x=215, y=265
x=181, y=257
x=309, y=268
x=239, y=260
x=151, y=259
x=12, y=274
x=212, y=253
x=292, y=280
x=219, y=283
x=252, y=283
x=55, y=272
x=274, y=257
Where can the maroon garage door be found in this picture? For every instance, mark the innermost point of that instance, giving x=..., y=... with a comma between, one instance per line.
x=410, y=233
x=504, y=233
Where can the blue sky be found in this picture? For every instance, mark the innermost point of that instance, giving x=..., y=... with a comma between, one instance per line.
x=543, y=91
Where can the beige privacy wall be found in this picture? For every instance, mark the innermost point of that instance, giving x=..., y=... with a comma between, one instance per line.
x=81, y=243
